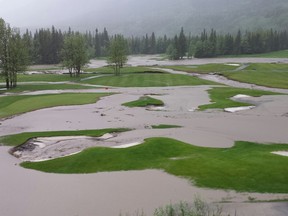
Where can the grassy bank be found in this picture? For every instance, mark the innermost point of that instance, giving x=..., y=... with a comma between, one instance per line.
x=244, y=167
x=220, y=97
x=276, y=54
x=13, y=105
x=207, y=68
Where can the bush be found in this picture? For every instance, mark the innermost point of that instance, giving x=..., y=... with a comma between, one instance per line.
x=197, y=208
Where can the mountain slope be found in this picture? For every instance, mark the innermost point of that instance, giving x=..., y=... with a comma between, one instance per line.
x=168, y=16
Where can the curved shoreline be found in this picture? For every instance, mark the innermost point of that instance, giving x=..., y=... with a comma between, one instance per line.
x=111, y=193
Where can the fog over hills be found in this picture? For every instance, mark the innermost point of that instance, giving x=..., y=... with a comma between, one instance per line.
x=135, y=17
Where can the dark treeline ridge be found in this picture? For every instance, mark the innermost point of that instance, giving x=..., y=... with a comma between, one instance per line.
x=45, y=45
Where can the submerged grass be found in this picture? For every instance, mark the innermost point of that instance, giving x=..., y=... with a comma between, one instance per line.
x=165, y=126
x=13, y=105
x=220, y=97
x=244, y=167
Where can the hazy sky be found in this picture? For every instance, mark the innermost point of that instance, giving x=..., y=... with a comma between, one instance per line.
x=139, y=17
x=22, y=13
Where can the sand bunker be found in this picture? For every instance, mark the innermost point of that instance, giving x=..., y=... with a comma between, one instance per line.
x=155, y=108
x=236, y=65
x=237, y=109
x=127, y=145
x=240, y=96
x=282, y=153
x=47, y=148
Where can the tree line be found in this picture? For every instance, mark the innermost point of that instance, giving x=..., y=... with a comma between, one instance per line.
x=262, y=41
x=74, y=49
x=45, y=45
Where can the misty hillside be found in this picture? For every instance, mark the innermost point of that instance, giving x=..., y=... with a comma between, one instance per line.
x=132, y=17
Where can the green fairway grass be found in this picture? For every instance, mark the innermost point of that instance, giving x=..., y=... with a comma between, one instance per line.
x=18, y=139
x=13, y=105
x=220, y=97
x=149, y=80
x=40, y=87
x=50, y=77
x=270, y=75
x=144, y=101
x=245, y=167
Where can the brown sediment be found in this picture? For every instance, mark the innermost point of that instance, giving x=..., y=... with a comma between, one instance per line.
x=27, y=192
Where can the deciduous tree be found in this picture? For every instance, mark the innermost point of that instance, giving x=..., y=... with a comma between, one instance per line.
x=13, y=54
x=117, y=53
x=74, y=53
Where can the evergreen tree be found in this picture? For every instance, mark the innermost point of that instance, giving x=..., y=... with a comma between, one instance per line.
x=237, y=43
x=97, y=44
x=28, y=41
x=182, y=44
x=152, y=44
x=212, y=44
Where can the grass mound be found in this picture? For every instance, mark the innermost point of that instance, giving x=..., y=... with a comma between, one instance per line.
x=144, y=101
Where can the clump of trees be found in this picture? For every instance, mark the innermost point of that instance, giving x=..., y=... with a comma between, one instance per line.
x=13, y=54
x=74, y=53
x=177, y=49
x=117, y=53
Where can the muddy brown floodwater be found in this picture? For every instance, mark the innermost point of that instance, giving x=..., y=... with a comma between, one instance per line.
x=26, y=192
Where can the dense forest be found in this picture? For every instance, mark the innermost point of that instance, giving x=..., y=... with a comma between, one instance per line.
x=45, y=45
